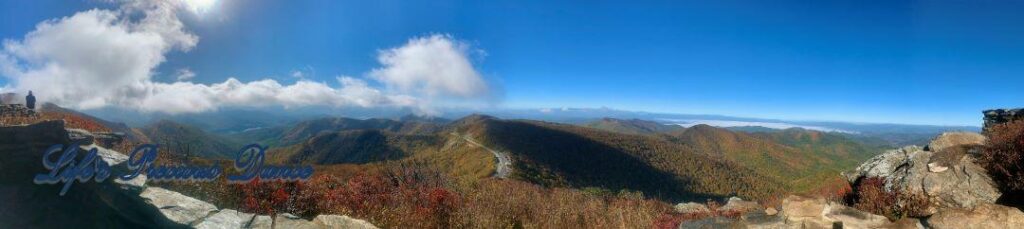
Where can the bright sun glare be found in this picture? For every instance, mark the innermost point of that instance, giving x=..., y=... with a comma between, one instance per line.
x=200, y=6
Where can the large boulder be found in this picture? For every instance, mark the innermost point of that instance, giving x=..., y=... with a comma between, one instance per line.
x=952, y=179
x=805, y=212
x=177, y=207
x=983, y=216
x=950, y=139
x=228, y=219
x=808, y=212
x=882, y=165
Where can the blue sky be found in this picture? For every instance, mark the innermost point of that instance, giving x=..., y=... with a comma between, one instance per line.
x=917, y=62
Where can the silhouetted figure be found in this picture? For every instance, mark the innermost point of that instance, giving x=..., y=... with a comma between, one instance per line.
x=30, y=101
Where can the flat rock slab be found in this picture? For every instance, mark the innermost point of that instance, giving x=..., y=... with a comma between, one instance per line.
x=340, y=221
x=950, y=139
x=984, y=216
x=226, y=219
x=322, y=221
x=177, y=207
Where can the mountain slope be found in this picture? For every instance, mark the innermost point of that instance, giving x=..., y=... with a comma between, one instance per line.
x=356, y=146
x=284, y=136
x=801, y=157
x=565, y=155
x=184, y=139
x=75, y=119
x=843, y=150
x=684, y=164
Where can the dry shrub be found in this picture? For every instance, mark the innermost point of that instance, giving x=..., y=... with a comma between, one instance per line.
x=398, y=197
x=75, y=121
x=515, y=204
x=836, y=189
x=1004, y=155
x=406, y=197
x=870, y=195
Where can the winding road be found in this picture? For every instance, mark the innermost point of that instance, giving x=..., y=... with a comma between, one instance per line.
x=504, y=166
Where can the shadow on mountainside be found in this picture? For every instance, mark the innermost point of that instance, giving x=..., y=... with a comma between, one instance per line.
x=555, y=158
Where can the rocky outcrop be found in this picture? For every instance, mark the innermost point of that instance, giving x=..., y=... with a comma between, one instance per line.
x=805, y=212
x=983, y=216
x=1000, y=116
x=177, y=207
x=951, y=139
x=948, y=177
x=735, y=204
x=732, y=205
x=87, y=204
x=16, y=110
x=111, y=203
x=185, y=210
x=233, y=219
x=105, y=139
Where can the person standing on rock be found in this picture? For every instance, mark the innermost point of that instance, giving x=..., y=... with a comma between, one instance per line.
x=30, y=101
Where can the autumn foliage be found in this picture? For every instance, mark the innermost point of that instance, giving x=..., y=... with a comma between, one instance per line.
x=1004, y=155
x=417, y=198
x=871, y=195
x=70, y=121
x=398, y=197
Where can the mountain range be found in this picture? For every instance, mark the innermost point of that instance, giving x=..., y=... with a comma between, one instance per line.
x=238, y=120
x=665, y=161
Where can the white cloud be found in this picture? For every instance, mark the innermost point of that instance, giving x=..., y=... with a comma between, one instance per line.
x=435, y=65
x=103, y=58
x=181, y=97
x=184, y=74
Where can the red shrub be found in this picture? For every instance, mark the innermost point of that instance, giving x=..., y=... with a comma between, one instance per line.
x=401, y=197
x=871, y=195
x=1004, y=155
